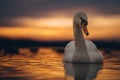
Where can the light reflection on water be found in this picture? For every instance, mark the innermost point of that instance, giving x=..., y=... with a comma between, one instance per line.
x=46, y=64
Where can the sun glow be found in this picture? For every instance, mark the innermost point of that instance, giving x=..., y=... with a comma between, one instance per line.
x=104, y=21
x=46, y=22
x=37, y=34
x=61, y=28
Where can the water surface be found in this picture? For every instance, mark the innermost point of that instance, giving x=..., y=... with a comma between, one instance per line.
x=46, y=64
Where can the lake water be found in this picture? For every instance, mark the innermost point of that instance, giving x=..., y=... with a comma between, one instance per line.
x=46, y=64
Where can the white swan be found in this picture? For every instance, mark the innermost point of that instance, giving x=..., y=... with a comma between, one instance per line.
x=80, y=50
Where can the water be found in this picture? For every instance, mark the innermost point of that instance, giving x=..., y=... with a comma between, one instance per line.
x=46, y=64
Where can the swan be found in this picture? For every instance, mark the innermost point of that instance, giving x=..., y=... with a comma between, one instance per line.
x=81, y=50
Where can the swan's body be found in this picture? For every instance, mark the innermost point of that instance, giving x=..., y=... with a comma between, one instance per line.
x=80, y=50
x=93, y=54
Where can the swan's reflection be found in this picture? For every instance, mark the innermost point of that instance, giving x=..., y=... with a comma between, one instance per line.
x=81, y=71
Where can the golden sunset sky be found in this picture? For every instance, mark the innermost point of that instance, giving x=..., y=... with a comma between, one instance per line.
x=52, y=20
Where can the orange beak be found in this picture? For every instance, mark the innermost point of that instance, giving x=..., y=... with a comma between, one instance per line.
x=84, y=26
x=85, y=31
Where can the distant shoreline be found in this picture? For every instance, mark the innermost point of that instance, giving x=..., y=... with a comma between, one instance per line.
x=6, y=43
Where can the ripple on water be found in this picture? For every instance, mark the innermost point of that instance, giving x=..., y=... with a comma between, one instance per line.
x=47, y=64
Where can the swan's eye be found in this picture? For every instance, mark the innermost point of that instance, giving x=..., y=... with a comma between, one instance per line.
x=82, y=20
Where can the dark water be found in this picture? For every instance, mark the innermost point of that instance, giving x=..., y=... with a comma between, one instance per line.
x=46, y=64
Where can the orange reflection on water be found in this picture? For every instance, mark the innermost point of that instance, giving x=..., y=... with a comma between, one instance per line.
x=45, y=64
x=108, y=74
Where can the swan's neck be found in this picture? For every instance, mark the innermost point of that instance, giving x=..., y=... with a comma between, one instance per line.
x=81, y=53
x=79, y=39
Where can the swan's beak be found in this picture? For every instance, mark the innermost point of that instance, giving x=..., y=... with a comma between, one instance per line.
x=84, y=26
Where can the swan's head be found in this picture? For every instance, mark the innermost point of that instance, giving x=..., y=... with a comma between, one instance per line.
x=81, y=19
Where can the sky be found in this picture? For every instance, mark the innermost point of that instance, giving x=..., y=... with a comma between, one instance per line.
x=49, y=20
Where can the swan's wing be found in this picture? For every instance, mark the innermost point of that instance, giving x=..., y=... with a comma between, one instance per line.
x=90, y=44
x=93, y=52
x=70, y=46
x=69, y=51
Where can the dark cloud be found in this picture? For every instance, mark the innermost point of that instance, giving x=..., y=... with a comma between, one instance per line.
x=10, y=9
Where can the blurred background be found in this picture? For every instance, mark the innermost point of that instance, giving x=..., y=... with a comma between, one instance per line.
x=33, y=35
x=28, y=23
